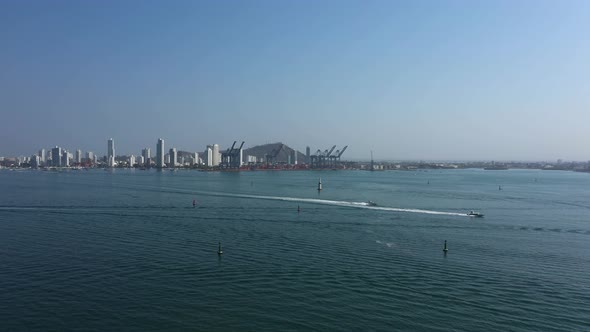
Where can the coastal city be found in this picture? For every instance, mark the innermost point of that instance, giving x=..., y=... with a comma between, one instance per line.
x=275, y=156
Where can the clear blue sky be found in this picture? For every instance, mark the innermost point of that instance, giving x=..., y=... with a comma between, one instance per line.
x=409, y=80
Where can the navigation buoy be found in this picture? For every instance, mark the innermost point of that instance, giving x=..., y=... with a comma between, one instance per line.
x=445, y=249
x=219, y=251
x=499, y=187
x=320, y=184
x=194, y=202
x=298, y=209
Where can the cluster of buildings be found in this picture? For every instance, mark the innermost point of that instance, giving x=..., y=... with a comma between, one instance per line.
x=57, y=157
x=268, y=156
x=60, y=157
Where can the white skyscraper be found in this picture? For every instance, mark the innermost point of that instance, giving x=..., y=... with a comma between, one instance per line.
x=173, y=157
x=160, y=153
x=131, y=161
x=78, y=156
x=141, y=160
x=111, y=153
x=209, y=156
x=216, y=155
x=42, y=157
x=90, y=156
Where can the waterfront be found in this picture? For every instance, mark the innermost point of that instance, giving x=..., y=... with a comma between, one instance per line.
x=122, y=249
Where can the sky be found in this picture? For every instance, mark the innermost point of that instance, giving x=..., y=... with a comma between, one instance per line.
x=429, y=80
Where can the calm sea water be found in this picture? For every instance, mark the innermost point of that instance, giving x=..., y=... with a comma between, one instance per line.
x=126, y=250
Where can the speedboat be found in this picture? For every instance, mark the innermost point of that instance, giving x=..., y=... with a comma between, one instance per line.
x=371, y=203
x=475, y=214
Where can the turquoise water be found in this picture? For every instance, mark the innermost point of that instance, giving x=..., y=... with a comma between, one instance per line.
x=126, y=250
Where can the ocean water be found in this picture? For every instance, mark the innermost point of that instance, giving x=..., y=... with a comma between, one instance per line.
x=126, y=250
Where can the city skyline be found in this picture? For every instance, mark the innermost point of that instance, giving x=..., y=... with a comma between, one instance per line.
x=213, y=153
x=458, y=81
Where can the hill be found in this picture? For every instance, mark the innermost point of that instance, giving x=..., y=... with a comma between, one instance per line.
x=260, y=151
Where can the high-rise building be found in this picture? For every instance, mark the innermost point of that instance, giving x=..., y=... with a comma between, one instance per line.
x=78, y=156
x=65, y=160
x=307, y=155
x=35, y=161
x=42, y=157
x=209, y=156
x=196, y=159
x=140, y=160
x=146, y=154
x=173, y=157
x=56, y=156
x=131, y=161
x=160, y=153
x=111, y=152
x=90, y=156
x=216, y=155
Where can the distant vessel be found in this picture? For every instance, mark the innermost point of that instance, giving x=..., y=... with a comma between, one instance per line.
x=475, y=214
x=320, y=184
x=496, y=168
x=219, y=251
x=371, y=203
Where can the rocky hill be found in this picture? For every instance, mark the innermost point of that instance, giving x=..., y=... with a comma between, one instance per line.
x=261, y=151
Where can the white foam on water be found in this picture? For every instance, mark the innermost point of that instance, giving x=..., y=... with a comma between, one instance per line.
x=363, y=205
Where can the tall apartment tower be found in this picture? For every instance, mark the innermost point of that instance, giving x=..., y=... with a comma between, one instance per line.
x=42, y=158
x=160, y=153
x=56, y=156
x=78, y=156
x=173, y=157
x=111, y=149
x=147, y=155
x=307, y=155
x=65, y=160
x=209, y=156
x=216, y=155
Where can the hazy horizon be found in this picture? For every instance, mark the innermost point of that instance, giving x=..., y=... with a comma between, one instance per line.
x=428, y=80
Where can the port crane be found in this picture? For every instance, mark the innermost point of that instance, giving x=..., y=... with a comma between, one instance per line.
x=270, y=157
x=232, y=157
x=326, y=158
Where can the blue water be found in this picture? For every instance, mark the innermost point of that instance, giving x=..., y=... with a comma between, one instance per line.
x=126, y=250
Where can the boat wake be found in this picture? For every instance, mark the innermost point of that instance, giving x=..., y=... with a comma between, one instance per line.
x=363, y=205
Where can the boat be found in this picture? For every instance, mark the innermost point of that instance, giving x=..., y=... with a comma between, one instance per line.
x=475, y=214
x=496, y=168
x=371, y=203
